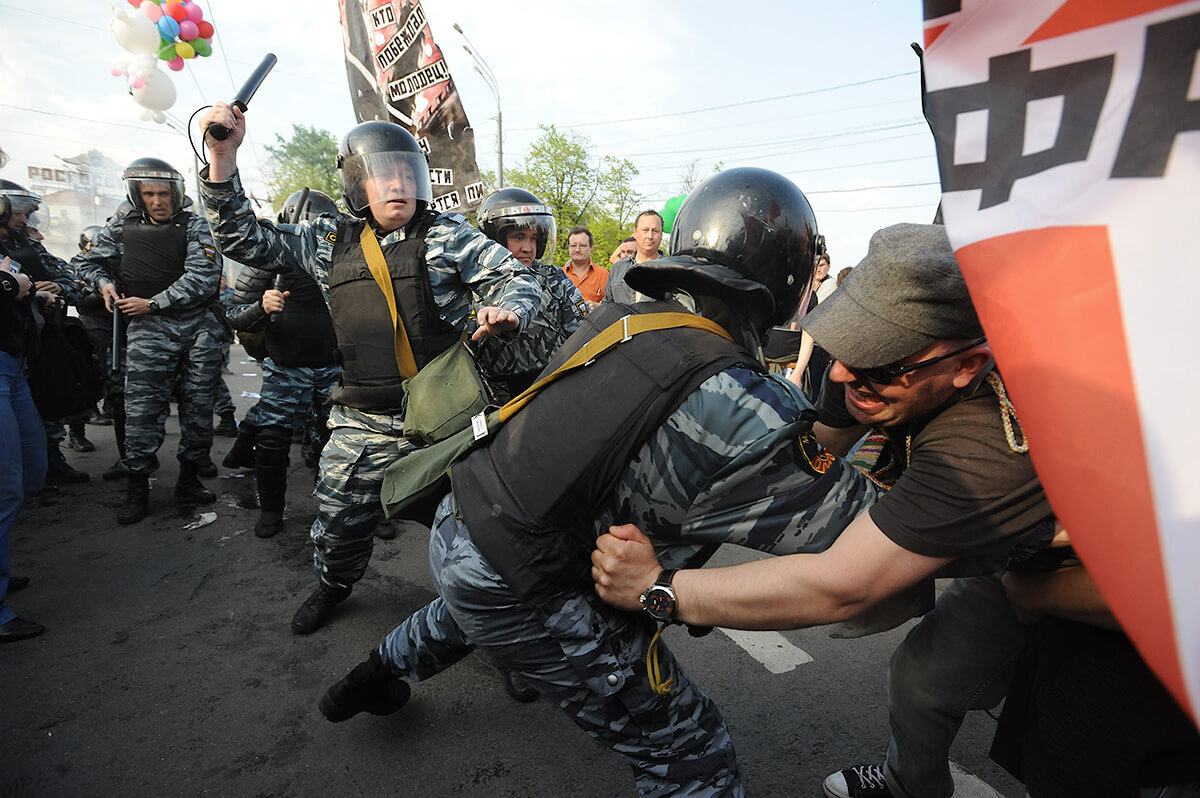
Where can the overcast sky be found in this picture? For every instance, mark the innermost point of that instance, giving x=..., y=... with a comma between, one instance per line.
x=826, y=93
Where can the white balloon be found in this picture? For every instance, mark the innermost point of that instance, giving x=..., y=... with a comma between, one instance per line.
x=133, y=31
x=158, y=93
x=140, y=66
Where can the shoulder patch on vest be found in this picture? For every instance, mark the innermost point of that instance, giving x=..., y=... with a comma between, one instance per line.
x=818, y=458
x=331, y=236
x=209, y=252
x=87, y=247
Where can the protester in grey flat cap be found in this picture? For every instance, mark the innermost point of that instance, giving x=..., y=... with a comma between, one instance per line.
x=912, y=367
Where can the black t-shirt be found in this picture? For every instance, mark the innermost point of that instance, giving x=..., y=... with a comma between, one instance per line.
x=957, y=488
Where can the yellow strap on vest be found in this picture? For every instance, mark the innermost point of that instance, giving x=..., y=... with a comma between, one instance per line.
x=379, y=270
x=616, y=333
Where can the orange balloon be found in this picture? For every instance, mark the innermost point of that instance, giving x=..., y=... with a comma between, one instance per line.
x=176, y=11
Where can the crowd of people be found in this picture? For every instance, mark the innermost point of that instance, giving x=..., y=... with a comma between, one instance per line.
x=735, y=393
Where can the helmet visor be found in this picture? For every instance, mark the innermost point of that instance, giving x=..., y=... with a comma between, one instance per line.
x=22, y=203
x=543, y=226
x=155, y=181
x=380, y=177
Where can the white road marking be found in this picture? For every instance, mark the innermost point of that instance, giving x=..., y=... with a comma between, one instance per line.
x=770, y=648
x=968, y=786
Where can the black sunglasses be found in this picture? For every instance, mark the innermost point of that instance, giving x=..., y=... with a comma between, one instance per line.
x=885, y=375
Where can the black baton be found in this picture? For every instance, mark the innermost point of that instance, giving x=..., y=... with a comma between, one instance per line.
x=115, y=359
x=241, y=100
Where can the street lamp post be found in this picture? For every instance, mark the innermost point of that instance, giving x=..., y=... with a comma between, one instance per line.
x=489, y=78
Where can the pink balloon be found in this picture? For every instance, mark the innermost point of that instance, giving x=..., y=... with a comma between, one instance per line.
x=175, y=64
x=116, y=73
x=137, y=83
x=188, y=30
x=194, y=12
x=151, y=10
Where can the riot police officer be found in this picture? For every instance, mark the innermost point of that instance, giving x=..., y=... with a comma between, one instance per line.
x=301, y=364
x=703, y=448
x=435, y=269
x=525, y=226
x=158, y=265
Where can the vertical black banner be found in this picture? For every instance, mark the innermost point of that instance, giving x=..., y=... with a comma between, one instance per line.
x=397, y=74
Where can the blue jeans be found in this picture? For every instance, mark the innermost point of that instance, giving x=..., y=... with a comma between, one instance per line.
x=22, y=458
x=958, y=658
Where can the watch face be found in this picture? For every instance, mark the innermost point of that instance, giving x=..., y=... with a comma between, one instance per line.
x=660, y=603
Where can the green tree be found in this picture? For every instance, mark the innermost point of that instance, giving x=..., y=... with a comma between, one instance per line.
x=307, y=159
x=581, y=188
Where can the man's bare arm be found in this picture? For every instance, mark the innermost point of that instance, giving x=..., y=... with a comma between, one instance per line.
x=790, y=592
x=839, y=440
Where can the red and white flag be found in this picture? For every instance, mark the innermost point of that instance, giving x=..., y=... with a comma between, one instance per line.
x=1068, y=137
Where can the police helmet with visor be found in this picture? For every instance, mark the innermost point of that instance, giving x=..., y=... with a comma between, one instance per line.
x=380, y=162
x=16, y=198
x=87, y=237
x=747, y=234
x=511, y=209
x=148, y=171
x=306, y=205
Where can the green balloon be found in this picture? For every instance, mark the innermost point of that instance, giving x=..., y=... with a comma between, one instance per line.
x=201, y=46
x=167, y=51
x=669, y=210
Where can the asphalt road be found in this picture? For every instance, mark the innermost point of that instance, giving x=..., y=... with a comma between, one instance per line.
x=168, y=668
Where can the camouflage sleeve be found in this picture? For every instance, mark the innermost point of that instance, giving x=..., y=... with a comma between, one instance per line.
x=97, y=265
x=59, y=272
x=737, y=463
x=559, y=315
x=242, y=237
x=201, y=270
x=462, y=260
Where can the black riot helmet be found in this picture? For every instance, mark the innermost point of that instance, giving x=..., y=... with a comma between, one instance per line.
x=747, y=234
x=145, y=171
x=385, y=158
x=87, y=237
x=305, y=205
x=14, y=197
x=510, y=208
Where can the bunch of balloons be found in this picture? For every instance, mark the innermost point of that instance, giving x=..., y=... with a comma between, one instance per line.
x=167, y=30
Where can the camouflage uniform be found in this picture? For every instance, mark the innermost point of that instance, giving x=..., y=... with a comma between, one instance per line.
x=462, y=265
x=734, y=464
x=182, y=340
x=524, y=356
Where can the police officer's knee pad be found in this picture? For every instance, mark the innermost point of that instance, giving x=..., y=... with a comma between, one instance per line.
x=272, y=445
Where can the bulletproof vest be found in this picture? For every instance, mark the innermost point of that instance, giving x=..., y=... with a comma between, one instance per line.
x=371, y=379
x=301, y=335
x=154, y=255
x=530, y=496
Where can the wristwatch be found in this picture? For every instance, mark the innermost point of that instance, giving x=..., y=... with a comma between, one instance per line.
x=150, y=303
x=658, y=600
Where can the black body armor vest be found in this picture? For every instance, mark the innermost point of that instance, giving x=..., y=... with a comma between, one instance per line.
x=25, y=255
x=371, y=379
x=531, y=495
x=301, y=335
x=154, y=255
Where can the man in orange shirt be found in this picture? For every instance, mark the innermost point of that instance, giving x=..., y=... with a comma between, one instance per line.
x=589, y=278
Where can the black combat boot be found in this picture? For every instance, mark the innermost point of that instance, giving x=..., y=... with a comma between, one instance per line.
x=370, y=687
x=228, y=427
x=241, y=454
x=189, y=489
x=137, y=500
x=206, y=469
x=271, y=463
x=58, y=471
x=316, y=609
x=77, y=438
